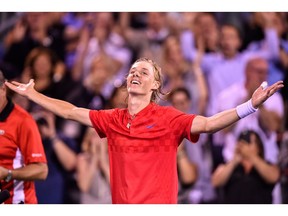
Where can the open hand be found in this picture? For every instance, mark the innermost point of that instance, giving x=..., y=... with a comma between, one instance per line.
x=21, y=88
x=263, y=92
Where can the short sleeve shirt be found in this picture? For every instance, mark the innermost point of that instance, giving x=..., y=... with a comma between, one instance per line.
x=142, y=151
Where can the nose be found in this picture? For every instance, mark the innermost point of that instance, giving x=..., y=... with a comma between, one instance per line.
x=136, y=74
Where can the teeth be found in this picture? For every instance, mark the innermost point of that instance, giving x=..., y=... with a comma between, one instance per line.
x=135, y=82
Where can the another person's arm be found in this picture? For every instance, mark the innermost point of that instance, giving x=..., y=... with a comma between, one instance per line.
x=30, y=172
x=61, y=108
x=223, y=172
x=187, y=169
x=228, y=117
x=66, y=156
x=269, y=172
x=29, y=142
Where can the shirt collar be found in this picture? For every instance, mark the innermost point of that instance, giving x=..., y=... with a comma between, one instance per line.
x=7, y=110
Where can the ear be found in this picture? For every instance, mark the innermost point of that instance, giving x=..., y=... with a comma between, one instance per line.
x=156, y=85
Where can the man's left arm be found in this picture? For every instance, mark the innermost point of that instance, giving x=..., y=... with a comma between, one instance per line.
x=226, y=118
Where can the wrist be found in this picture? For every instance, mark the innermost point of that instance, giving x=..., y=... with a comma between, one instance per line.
x=8, y=176
x=54, y=138
x=245, y=109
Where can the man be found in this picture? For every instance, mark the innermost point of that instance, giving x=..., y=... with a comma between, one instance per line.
x=143, y=139
x=22, y=158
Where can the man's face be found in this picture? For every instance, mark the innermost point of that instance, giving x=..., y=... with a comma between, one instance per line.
x=230, y=41
x=256, y=73
x=180, y=101
x=141, y=79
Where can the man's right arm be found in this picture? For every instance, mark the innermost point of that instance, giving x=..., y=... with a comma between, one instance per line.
x=58, y=107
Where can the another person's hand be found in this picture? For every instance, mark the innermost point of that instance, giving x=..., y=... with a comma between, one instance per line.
x=3, y=173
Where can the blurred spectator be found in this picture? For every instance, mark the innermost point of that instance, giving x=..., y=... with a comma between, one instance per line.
x=148, y=41
x=97, y=38
x=283, y=164
x=193, y=160
x=248, y=178
x=178, y=72
x=59, y=187
x=93, y=176
x=40, y=65
x=34, y=29
x=207, y=32
x=279, y=64
x=266, y=122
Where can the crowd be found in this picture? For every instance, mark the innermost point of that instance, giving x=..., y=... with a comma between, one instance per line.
x=211, y=62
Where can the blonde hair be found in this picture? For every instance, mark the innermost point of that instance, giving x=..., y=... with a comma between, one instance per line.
x=156, y=94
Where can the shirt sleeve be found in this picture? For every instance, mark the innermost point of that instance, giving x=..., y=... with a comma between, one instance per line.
x=30, y=142
x=100, y=121
x=181, y=124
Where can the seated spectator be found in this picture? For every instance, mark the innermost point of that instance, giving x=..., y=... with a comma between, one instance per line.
x=247, y=178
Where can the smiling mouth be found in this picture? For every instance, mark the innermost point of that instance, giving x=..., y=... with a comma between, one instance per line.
x=135, y=82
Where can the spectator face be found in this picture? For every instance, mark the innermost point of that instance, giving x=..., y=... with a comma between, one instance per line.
x=206, y=24
x=180, y=101
x=230, y=41
x=156, y=20
x=119, y=100
x=256, y=73
x=99, y=74
x=172, y=49
x=42, y=66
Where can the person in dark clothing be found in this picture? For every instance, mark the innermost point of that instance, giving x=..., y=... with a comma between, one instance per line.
x=247, y=178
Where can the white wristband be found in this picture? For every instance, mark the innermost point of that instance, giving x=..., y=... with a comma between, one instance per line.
x=245, y=109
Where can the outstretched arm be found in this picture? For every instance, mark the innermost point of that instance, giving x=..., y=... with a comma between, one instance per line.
x=226, y=118
x=61, y=108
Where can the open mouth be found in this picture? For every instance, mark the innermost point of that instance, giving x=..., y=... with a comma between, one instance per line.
x=135, y=82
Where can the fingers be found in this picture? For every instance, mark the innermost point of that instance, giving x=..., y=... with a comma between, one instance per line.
x=275, y=87
x=10, y=85
x=16, y=83
x=264, y=85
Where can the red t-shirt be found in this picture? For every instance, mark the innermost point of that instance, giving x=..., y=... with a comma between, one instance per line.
x=143, y=164
x=20, y=144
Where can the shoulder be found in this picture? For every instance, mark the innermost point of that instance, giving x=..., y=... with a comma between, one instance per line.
x=21, y=114
x=107, y=112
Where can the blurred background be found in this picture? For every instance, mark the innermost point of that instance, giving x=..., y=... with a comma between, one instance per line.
x=210, y=61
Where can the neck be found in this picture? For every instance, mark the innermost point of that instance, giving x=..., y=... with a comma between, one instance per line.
x=247, y=165
x=137, y=103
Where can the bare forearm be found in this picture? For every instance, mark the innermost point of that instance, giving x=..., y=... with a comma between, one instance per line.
x=64, y=154
x=222, y=120
x=270, y=173
x=85, y=172
x=214, y=123
x=187, y=170
x=37, y=171
x=58, y=107
x=223, y=173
